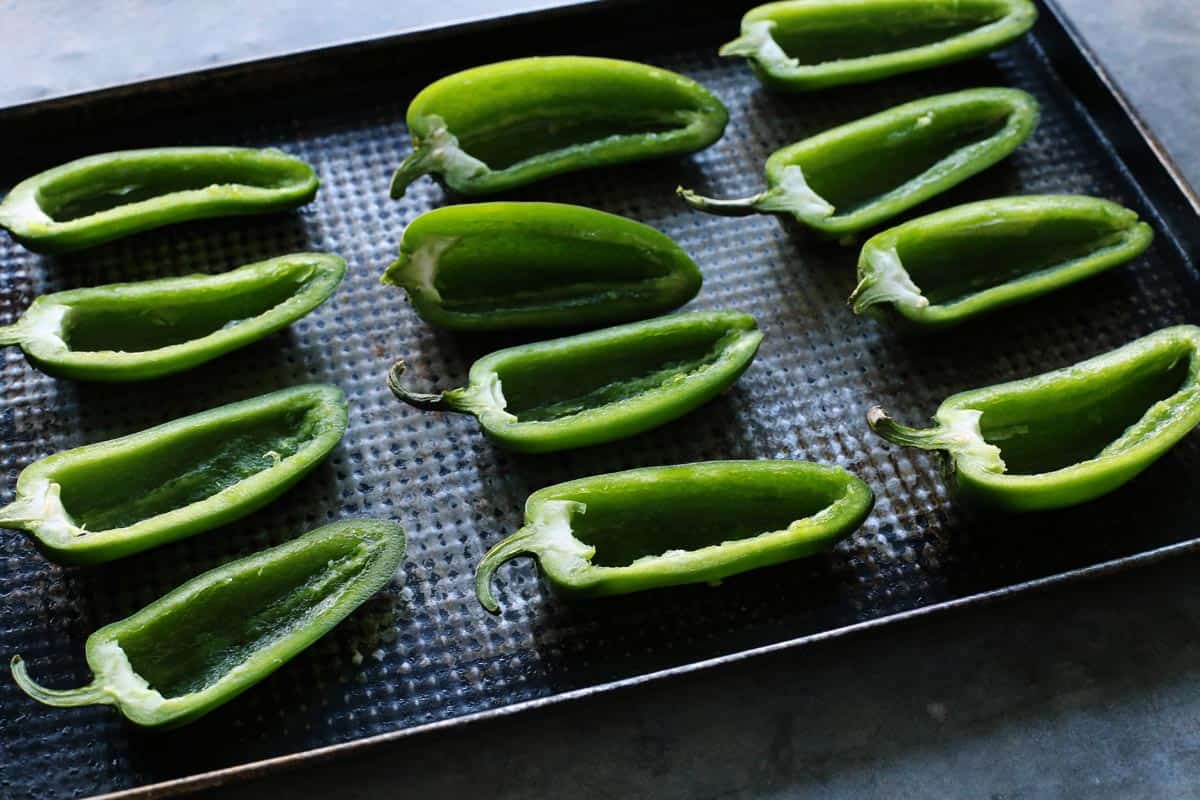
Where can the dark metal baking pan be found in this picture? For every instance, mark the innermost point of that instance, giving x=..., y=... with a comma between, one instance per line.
x=423, y=654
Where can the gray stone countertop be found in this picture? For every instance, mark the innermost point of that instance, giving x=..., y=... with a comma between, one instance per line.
x=1088, y=691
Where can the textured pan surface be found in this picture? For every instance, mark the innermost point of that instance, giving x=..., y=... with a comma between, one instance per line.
x=424, y=651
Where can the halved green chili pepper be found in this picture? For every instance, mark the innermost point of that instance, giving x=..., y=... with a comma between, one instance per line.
x=491, y=266
x=104, y=197
x=214, y=637
x=1068, y=436
x=600, y=386
x=814, y=44
x=135, y=331
x=947, y=267
x=505, y=125
x=862, y=173
x=666, y=526
x=103, y=501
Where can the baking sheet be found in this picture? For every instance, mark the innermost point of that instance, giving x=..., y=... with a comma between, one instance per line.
x=423, y=651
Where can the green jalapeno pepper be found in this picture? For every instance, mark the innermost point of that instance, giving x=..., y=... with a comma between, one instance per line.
x=600, y=386
x=505, y=125
x=104, y=197
x=491, y=266
x=103, y=501
x=214, y=637
x=945, y=268
x=815, y=44
x=1068, y=436
x=862, y=173
x=666, y=526
x=135, y=331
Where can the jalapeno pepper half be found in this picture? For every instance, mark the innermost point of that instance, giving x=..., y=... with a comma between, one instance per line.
x=943, y=269
x=815, y=44
x=1067, y=436
x=104, y=197
x=220, y=633
x=600, y=386
x=666, y=526
x=505, y=125
x=865, y=172
x=107, y=500
x=135, y=331
x=492, y=266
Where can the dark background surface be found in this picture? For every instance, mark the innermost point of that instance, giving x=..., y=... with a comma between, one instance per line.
x=1084, y=692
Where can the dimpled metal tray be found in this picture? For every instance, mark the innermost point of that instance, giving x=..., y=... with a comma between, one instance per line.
x=423, y=651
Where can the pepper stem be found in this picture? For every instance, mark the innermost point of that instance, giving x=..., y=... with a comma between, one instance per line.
x=440, y=152
x=894, y=432
x=742, y=207
x=504, y=550
x=88, y=695
x=12, y=334
x=421, y=400
x=958, y=432
x=24, y=510
x=885, y=282
x=756, y=42
x=420, y=162
x=790, y=195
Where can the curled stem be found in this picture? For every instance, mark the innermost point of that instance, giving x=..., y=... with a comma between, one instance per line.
x=88, y=695
x=421, y=400
x=504, y=550
x=420, y=162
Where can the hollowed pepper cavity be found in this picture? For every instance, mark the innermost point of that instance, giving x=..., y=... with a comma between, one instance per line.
x=136, y=331
x=220, y=633
x=665, y=526
x=943, y=269
x=601, y=386
x=107, y=500
x=104, y=197
x=492, y=266
x=814, y=44
x=505, y=125
x=1068, y=436
x=855, y=176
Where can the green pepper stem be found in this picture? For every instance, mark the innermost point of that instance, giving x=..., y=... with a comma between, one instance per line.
x=24, y=510
x=791, y=194
x=421, y=400
x=958, y=432
x=742, y=207
x=88, y=695
x=504, y=550
x=886, y=281
x=894, y=432
x=756, y=42
x=12, y=334
x=438, y=151
x=420, y=162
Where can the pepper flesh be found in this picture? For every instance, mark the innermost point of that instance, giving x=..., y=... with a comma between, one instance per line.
x=103, y=197
x=667, y=526
x=945, y=268
x=493, y=266
x=1068, y=436
x=857, y=175
x=111, y=499
x=601, y=386
x=815, y=44
x=136, y=331
x=504, y=125
x=222, y=632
